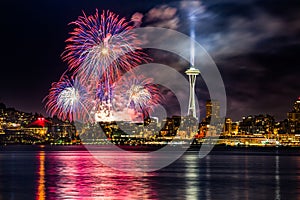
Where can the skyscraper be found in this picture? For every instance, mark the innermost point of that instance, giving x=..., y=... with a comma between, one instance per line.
x=212, y=109
x=192, y=73
x=294, y=118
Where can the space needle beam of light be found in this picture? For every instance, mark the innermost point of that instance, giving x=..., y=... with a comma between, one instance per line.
x=192, y=35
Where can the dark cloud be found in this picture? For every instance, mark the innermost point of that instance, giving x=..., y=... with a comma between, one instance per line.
x=163, y=16
x=255, y=45
x=242, y=35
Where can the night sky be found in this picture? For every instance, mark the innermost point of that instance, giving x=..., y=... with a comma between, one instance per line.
x=255, y=44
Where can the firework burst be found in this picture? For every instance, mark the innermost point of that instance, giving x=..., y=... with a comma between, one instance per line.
x=138, y=93
x=67, y=99
x=102, y=47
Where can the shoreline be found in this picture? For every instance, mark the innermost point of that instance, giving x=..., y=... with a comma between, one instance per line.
x=145, y=148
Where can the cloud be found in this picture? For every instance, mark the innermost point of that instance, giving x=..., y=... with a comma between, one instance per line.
x=137, y=19
x=166, y=16
x=193, y=9
x=242, y=35
x=162, y=16
x=254, y=44
x=161, y=13
x=192, y=5
x=253, y=88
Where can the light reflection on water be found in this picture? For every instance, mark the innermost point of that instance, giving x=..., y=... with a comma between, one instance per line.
x=277, y=178
x=82, y=177
x=41, y=194
x=70, y=173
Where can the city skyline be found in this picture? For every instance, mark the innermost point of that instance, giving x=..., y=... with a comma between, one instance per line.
x=259, y=67
x=262, y=130
x=211, y=108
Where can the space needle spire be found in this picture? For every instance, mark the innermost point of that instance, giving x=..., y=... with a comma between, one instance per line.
x=192, y=72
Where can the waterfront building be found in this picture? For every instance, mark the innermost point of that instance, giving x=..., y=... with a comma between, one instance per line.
x=234, y=128
x=227, y=129
x=257, y=124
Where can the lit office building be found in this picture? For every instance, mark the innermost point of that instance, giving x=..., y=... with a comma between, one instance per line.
x=212, y=109
x=294, y=118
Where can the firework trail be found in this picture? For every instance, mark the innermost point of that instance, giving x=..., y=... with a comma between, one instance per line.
x=67, y=99
x=102, y=47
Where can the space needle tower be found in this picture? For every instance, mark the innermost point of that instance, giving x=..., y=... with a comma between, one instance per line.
x=192, y=72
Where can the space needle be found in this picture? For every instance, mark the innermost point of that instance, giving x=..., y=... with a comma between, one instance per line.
x=192, y=72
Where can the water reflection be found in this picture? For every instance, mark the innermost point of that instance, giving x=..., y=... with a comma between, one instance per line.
x=246, y=178
x=75, y=174
x=277, y=178
x=191, y=176
x=41, y=193
x=207, y=174
x=79, y=176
